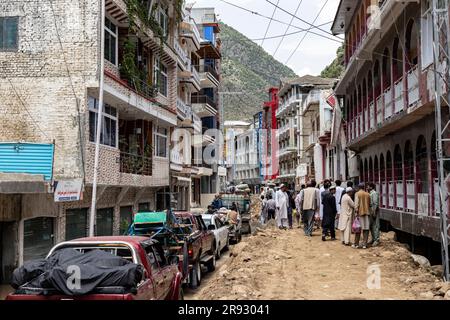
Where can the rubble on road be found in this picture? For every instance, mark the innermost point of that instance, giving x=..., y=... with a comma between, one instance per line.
x=278, y=264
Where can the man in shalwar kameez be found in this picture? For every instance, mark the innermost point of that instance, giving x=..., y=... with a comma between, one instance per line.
x=282, y=201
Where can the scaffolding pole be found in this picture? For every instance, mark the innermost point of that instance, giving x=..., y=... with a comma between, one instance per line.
x=442, y=79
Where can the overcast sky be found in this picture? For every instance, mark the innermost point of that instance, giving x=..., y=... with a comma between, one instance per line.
x=314, y=52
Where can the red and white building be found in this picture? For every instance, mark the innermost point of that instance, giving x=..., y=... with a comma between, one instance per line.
x=388, y=107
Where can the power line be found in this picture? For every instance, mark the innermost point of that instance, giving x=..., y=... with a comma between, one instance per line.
x=270, y=22
x=276, y=37
x=302, y=20
x=336, y=39
x=306, y=34
x=287, y=29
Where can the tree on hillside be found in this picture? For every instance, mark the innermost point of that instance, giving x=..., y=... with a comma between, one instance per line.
x=336, y=68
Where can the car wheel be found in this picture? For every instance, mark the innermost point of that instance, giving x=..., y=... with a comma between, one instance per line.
x=180, y=294
x=195, y=276
x=199, y=273
x=212, y=264
x=227, y=246
x=218, y=253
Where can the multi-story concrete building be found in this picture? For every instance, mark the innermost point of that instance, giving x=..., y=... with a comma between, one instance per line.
x=315, y=118
x=269, y=152
x=304, y=130
x=185, y=176
x=290, y=96
x=388, y=102
x=49, y=106
x=206, y=102
x=232, y=129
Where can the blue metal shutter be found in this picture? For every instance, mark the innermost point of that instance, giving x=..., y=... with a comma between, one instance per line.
x=29, y=158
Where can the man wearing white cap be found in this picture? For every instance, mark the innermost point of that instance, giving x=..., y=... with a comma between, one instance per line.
x=282, y=201
x=346, y=216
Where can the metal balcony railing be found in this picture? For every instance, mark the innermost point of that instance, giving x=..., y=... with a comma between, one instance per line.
x=140, y=86
x=399, y=100
x=413, y=86
x=195, y=99
x=135, y=164
x=208, y=69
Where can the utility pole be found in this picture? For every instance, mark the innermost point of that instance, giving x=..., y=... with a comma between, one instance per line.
x=93, y=210
x=442, y=80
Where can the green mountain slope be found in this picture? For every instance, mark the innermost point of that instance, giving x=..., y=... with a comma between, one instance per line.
x=247, y=68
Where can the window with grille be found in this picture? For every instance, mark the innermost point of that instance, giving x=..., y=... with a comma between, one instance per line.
x=111, y=46
x=9, y=33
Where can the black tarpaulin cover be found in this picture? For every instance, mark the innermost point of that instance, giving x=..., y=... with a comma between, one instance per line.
x=94, y=269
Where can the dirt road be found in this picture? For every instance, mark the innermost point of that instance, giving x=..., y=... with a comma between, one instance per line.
x=286, y=265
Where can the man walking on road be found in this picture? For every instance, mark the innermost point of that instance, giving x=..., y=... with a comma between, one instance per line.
x=338, y=196
x=299, y=214
x=346, y=216
x=374, y=215
x=271, y=207
x=282, y=201
x=329, y=213
x=308, y=202
x=362, y=207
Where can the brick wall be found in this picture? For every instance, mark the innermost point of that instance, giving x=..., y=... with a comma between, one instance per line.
x=46, y=78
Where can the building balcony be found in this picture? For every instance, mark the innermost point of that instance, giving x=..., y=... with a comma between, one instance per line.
x=191, y=77
x=189, y=31
x=184, y=62
x=135, y=164
x=123, y=169
x=204, y=106
x=395, y=108
x=288, y=105
x=184, y=111
x=289, y=150
x=136, y=99
x=366, y=39
x=209, y=77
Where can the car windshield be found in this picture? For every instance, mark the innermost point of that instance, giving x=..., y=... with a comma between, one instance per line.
x=207, y=221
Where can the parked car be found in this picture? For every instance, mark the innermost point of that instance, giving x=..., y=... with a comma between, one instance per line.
x=164, y=227
x=158, y=279
x=221, y=232
x=201, y=245
x=242, y=202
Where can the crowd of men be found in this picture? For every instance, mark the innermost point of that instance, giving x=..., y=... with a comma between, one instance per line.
x=332, y=207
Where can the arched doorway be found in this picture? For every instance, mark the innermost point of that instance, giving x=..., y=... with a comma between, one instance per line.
x=409, y=177
x=383, y=188
x=359, y=111
x=366, y=172
x=371, y=174
x=436, y=207
x=412, y=45
x=398, y=177
x=422, y=185
x=361, y=170
x=387, y=84
x=371, y=110
x=397, y=61
x=376, y=172
x=389, y=181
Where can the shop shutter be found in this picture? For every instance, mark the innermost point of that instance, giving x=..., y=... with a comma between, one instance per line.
x=76, y=223
x=126, y=219
x=38, y=238
x=105, y=222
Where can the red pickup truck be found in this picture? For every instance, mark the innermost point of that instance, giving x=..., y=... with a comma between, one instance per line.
x=161, y=279
x=201, y=246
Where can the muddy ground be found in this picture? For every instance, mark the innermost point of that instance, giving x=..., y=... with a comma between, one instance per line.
x=286, y=265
